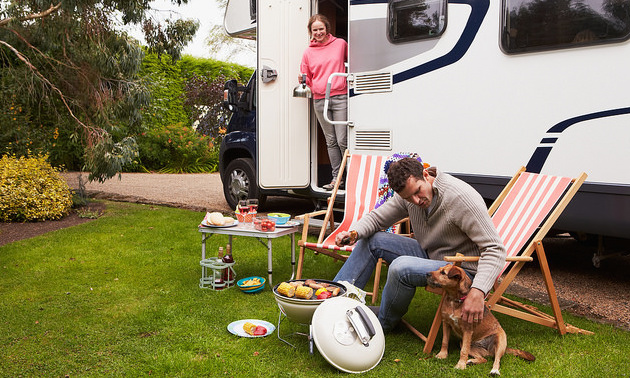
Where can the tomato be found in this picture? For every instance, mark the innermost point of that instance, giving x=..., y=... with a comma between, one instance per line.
x=324, y=295
x=260, y=331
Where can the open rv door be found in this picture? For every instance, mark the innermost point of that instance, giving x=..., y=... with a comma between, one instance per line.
x=283, y=137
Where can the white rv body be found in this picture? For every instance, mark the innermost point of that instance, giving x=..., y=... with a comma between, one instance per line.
x=459, y=99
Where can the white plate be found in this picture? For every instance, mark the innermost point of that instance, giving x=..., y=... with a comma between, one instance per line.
x=288, y=224
x=236, y=327
x=206, y=224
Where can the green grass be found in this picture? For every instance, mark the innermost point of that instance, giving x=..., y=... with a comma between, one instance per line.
x=119, y=296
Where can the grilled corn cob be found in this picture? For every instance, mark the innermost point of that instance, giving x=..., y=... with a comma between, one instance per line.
x=286, y=289
x=249, y=328
x=304, y=292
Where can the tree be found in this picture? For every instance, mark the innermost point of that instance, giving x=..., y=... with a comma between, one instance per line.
x=219, y=41
x=72, y=74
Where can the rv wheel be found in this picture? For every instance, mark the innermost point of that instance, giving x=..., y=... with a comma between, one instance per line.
x=240, y=183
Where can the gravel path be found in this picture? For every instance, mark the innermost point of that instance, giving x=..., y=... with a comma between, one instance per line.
x=598, y=293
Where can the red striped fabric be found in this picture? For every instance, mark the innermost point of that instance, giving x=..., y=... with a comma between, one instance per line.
x=361, y=191
x=525, y=207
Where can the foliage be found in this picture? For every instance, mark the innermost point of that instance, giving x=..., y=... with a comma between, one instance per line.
x=164, y=80
x=177, y=149
x=70, y=307
x=31, y=189
x=75, y=76
x=187, y=95
x=182, y=90
x=212, y=68
x=204, y=99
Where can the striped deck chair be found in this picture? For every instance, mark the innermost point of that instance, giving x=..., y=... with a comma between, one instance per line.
x=523, y=213
x=362, y=185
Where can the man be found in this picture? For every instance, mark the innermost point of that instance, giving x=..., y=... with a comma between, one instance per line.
x=447, y=216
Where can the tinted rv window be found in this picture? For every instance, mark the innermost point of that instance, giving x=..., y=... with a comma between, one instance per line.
x=530, y=25
x=410, y=20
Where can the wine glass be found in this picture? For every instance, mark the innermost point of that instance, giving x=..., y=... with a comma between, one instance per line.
x=243, y=207
x=253, y=205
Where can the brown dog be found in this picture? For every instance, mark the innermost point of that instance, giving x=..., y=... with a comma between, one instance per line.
x=478, y=339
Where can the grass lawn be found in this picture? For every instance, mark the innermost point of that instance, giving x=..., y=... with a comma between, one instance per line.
x=120, y=296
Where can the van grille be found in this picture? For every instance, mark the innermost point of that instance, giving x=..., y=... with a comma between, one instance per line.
x=372, y=82
x=373, y=140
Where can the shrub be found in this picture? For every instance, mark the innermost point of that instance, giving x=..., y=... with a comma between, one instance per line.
x=177, y=149
x=31, y=189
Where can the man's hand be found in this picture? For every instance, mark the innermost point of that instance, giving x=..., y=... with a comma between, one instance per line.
x=472, y=310
x=344, y=238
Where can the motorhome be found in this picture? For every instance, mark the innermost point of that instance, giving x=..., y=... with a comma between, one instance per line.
x=477, y=87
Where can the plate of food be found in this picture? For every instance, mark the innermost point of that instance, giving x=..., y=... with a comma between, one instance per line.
x=206, y=224
x=288, y=224
x=216, y=219
x=251, y=328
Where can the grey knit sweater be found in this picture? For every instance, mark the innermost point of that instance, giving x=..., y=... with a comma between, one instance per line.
x=458, y=222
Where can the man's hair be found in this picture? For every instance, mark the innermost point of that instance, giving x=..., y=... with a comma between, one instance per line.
x=400, y=171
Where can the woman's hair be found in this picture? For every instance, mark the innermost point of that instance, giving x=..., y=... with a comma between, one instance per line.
x=318, y=17
x=400, y=171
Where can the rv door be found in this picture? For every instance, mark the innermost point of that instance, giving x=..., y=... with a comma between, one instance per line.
x=282, y=120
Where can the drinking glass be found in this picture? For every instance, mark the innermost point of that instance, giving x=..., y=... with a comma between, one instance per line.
x=253, y=205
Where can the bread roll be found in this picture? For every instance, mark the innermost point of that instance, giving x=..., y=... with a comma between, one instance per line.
x=228, y=221
x=216, y=218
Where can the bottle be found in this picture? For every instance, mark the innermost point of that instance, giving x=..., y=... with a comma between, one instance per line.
x=228, y=273
x=218, y=281
x=220, y=258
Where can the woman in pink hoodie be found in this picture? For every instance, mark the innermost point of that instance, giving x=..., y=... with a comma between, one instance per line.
x=325, y=55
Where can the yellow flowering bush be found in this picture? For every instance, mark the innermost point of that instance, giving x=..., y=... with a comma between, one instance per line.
x=31, y=189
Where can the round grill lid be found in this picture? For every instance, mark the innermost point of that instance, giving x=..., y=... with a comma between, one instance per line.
x=348, y=335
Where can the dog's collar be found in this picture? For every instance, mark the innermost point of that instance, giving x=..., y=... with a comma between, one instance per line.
x=461, y=300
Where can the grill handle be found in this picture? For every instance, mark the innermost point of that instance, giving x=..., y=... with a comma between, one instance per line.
x=361, y=324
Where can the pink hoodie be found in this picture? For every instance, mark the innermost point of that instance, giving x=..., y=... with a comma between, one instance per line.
x=321, y=60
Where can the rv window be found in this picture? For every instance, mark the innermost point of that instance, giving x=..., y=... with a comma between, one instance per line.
x=410, y=20
x=534, y=25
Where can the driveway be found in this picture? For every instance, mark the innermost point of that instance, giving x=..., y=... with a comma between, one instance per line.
x=194, y=191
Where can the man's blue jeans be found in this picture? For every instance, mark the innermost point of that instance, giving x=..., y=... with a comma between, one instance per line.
x=408, y=268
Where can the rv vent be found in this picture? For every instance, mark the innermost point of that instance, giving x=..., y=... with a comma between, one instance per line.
x=372, y=82
x=373, y=140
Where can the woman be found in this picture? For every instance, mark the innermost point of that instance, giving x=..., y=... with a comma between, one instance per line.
x=325, y=55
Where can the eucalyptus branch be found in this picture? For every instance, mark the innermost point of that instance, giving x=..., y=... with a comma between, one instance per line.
x=34, y=69
x=53, y=8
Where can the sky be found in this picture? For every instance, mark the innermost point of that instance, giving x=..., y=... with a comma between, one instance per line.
x=208, y=13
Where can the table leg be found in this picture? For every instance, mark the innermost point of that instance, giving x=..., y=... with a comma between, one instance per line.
x=292, y=256
x=203, y=254
x=269, y=262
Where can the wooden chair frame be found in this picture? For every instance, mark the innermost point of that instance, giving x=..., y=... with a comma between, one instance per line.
x=328, y=227
x=496, y=301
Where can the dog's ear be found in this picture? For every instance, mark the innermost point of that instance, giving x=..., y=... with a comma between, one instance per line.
x=455, y=273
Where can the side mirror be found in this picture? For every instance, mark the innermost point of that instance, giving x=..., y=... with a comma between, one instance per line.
x=230, y=95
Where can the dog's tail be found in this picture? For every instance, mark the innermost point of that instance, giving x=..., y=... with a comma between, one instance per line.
x=521, y=353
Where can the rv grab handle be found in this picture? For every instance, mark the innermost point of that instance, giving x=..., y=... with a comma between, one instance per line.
x=327, y=101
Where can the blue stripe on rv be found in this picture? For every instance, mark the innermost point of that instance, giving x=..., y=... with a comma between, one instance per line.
x=540, y=155
x=479, y=11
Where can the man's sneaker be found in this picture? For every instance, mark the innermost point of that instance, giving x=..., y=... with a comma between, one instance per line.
x=329, y=186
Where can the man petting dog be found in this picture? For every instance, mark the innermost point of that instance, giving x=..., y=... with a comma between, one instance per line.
x=447, y=216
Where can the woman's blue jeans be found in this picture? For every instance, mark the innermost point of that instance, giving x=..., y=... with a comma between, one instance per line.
x=408, y=268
